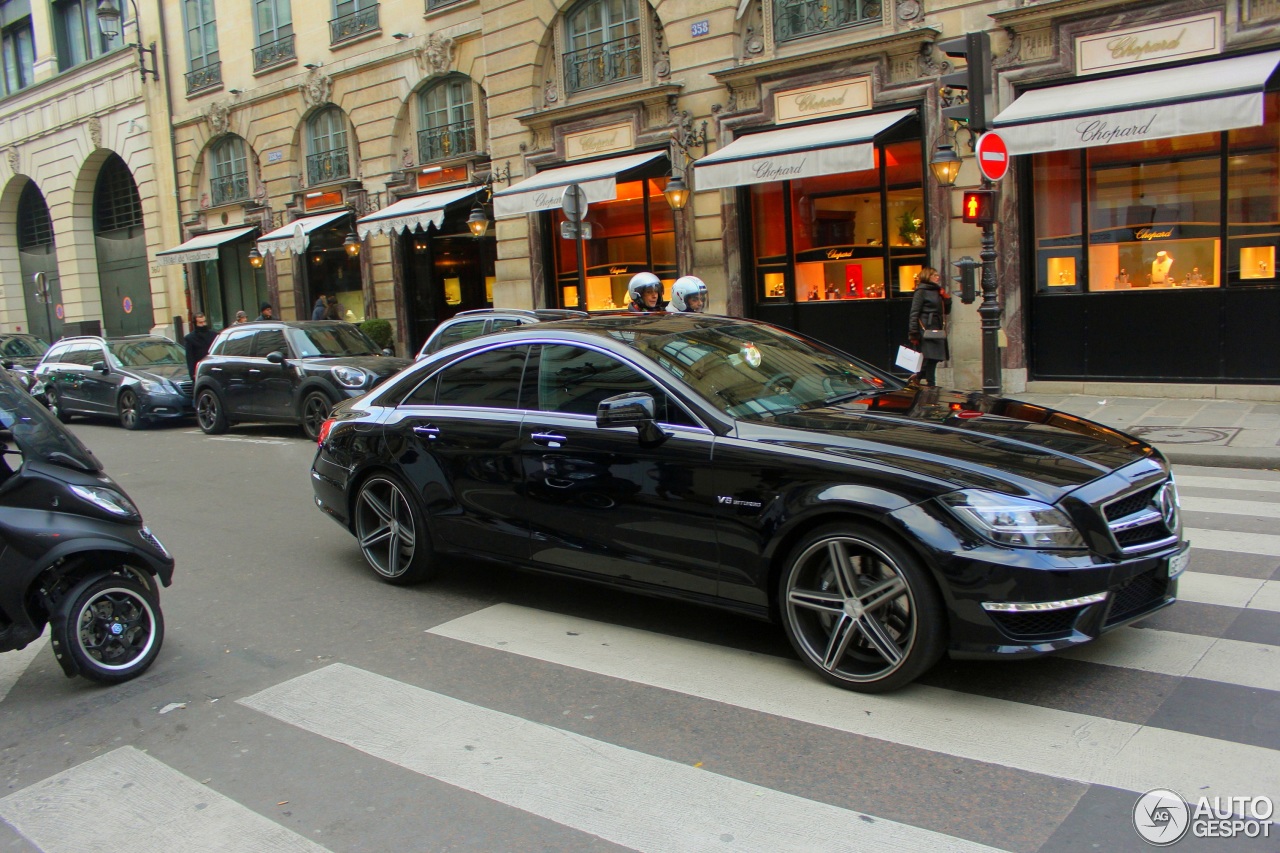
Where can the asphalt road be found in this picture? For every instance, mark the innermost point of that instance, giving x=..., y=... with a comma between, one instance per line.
x=301, y=704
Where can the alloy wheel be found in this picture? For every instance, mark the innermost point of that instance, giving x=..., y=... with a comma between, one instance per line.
x=130, y=418
x=115, y=628
x=315, y=409
x=385, y=528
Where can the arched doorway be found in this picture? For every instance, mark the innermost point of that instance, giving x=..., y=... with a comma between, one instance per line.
x=121, y=246
x=36, y=255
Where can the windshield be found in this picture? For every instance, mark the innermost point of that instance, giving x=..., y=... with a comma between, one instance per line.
x=754, y=371
x=330, y=340
x=23, y=348
x=38, y=434
x=148, y=352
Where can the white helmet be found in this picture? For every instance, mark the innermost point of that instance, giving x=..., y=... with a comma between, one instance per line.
x=683, y=289
x=642, y=281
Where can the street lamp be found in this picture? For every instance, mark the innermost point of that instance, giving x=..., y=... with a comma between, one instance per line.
x=945, y=166
x=477, y=221
x=352, y=244
x=255, y=258
x=676, y=192
x=111, y=26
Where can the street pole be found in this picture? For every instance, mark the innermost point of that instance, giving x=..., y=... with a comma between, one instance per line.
x=582, y=268
x=989, y=311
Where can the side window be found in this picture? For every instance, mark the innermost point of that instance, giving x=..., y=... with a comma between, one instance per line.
x=424, y=394
x=238, y=345
x=573, y=380
x=490, y=379
x=87, y=354
x=57, y=354
x=501, y=323
x=269, y=341
x=462, y=331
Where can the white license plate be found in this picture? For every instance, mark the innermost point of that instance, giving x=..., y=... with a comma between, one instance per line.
x=1178, y=562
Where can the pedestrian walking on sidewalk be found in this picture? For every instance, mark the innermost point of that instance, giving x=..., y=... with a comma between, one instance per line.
x=928, y=323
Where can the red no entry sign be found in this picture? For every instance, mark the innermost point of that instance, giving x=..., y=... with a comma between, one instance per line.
x=993, y=156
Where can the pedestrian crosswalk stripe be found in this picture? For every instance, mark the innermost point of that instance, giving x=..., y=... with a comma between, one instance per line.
x=1192, y=655
x=587, y=784
x=1229, y=591
x=13, y=664
x=127, y=800
x=1064, y=744
x=1192, y=481
x=1263, y=544
x=1230, y=506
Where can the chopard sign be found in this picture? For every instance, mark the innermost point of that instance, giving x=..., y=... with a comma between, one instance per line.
x=768, y=170
x=1135, y=47
x=1182, y=39
x=617, y=270
x=837, y=98
x=839, y=254
x=1152, y=233
x=1098, y=131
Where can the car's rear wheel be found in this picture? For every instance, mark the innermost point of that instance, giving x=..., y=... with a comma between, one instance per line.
x=210, y=415
x=860, y=609
x=392, y=531
x=53, y=400
x=315, y=408
x=130, y=411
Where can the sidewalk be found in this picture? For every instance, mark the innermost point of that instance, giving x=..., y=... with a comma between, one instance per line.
x=1229, y=433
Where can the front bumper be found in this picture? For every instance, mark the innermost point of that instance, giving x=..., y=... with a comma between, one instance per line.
x=159, y=406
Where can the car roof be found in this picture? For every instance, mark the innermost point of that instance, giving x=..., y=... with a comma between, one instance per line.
x=97, y=339
x=542, y=314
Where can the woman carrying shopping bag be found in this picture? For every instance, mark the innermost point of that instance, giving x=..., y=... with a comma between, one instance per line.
x=928, y=325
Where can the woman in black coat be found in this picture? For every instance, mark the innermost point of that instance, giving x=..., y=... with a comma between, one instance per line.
x=929, y=307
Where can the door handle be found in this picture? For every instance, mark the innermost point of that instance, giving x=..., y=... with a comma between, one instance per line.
x=254, y=370
x=550, y=439
x=431, y=433
x=215, y=369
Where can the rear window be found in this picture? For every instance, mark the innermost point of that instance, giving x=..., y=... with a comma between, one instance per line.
x=489, y=379
x=460, y=331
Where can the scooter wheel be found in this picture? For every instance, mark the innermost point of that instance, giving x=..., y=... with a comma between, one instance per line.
x=111, y=626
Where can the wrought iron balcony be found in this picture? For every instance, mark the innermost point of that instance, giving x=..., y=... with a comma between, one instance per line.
x=439, y=143
x=602, y=64
x=273, y=53
x=328, y=166
x=225, y=189
x=356, y=24
x=799, y=18
x=209, y=77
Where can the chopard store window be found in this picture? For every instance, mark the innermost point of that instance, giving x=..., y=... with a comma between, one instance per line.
x=632, y=233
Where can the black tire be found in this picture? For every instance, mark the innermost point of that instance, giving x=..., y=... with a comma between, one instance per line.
x=210, y=414
x=54, y=402
x=130, y=411
x=111, y=626
x=392, y=531
x=315, y=409
x=885, y=634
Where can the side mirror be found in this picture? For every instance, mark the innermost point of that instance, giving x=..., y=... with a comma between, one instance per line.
x=275, y=357
x=635, y=408
x=101, y=367
x=9, y=364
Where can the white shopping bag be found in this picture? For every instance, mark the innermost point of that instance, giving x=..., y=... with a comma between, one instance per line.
x=909, y=359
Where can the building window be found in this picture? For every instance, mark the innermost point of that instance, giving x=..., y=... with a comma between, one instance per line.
x=202, y=46
x=274, y=22
x=116, y=203
x=19, y=45
x=77, y=36
x=229, y=178
x=35, y=227
x=798, y=18
x=447, y=119
x=602, y=43
x=327, y=143
x=352, y=19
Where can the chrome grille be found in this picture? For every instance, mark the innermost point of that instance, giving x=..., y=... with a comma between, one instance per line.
x=1143, y=520
x=185, y=386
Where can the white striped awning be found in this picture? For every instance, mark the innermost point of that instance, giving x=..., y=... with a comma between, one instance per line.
x=1204, y=97
x=544, y=191
x=296, y=235
x=202, y=247
x=803, y=151
x=414, y=212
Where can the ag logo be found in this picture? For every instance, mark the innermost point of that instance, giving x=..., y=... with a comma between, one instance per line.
x=1161, y=817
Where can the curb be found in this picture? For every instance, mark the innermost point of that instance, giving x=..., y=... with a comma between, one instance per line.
x=1222, y=457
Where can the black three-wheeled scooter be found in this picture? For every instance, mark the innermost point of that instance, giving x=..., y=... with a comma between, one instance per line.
x=74, y=553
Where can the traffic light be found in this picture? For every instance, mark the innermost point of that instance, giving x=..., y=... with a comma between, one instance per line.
x=967, y=279
x=970, y=85
x=979, y=207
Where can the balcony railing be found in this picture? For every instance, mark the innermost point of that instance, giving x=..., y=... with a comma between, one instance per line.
x=225, y=189
x=798, y=18
x=208, y=77
x=328, y=166
x=273, y=53
x=602, y=64
x=353, y=25
x=439, y=143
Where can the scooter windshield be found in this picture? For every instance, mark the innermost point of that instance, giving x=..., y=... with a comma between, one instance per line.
x=38, y=434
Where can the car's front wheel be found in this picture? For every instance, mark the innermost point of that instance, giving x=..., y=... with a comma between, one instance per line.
x=209, y=413
x=315, y=408
x=111, y=627
x=392, y=532
x=53, y=400
x=860, y=609
x=130, y=411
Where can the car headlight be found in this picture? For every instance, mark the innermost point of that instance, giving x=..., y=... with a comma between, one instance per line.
x=350, y=377
x=107, y=499
x=153, y=386
x=1017, y=522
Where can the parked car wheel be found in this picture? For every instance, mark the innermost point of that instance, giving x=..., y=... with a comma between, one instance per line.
x=315, y=408
x=859, y=609
x=111, y=627
x=130, y=412
x=392, y=532
x=54, y=401
x=210, y=415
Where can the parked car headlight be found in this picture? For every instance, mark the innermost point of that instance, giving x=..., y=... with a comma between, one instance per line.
x=107, y=499
x=154, y=386
x=350, y=377
x=1018, y=522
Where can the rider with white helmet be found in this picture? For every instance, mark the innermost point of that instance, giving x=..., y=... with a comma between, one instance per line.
x=688, y=295
x=645, y=291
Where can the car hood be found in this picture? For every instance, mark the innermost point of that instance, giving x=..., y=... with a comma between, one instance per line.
x=969, y=440
x=171, y=372
x=378, y=365
x=26, y=362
